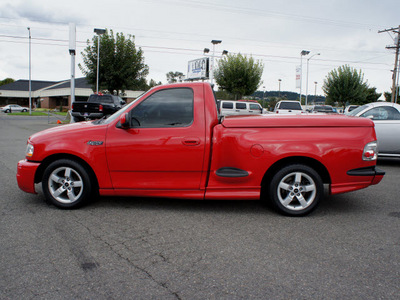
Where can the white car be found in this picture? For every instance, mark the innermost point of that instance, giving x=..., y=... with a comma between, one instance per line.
x=386, y=117
x=288, y=107
x=13, y=108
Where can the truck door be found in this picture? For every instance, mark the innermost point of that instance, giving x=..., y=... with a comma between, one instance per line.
x=164, y=149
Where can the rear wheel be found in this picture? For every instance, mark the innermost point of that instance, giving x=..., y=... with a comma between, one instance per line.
x=66, y=184
x=296, y=190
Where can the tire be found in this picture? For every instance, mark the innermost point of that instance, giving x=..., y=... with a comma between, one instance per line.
x=296, y=190
x=78, y=119
x=24, y=110
x=7, y=111
x=66, y=184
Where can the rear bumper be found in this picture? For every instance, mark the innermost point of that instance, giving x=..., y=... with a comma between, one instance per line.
x=87, y=115
x=363, y=178
x=26, y=175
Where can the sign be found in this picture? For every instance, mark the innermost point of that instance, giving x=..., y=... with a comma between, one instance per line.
x=298, y=76
x=198, y=68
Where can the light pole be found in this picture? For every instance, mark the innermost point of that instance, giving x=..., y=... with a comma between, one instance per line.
x=30, y=72
x=308, y=59
x=315, y=91
x=263, y=99
x=214, y=42
x=302, y=53
x=99, y=32
x=279, y=93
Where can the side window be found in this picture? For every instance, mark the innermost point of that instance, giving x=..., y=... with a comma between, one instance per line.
x=382, y=113
x=240, y=105
x=227, y=105
x=254, y=106
x=166, y=108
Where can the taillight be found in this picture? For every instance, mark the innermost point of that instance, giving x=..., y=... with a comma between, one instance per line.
x=100, y=107
x=370, y=151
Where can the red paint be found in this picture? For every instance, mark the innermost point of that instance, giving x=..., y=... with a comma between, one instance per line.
x=181, y=162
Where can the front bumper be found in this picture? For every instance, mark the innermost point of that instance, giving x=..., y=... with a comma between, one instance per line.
x=26, y=175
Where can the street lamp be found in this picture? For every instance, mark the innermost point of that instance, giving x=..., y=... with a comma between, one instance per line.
x=30, y=72
x=99, y=32
x=315, y=91
x=302, y=53
x=214, y=42
x=308, y=59
x=279, y=94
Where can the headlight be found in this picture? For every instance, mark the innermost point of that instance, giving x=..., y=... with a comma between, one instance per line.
x=370, y=151
x=29, y=150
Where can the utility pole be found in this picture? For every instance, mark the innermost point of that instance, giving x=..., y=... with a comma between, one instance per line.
x=396, y=60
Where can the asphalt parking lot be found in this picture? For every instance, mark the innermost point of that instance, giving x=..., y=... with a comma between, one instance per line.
x=133, y=248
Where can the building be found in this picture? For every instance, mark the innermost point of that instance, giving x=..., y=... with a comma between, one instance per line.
x=50, y=94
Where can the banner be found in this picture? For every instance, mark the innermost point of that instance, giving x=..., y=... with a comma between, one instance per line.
x=298, y=77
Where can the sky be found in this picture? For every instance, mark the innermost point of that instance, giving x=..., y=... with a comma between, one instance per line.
x=173, y=32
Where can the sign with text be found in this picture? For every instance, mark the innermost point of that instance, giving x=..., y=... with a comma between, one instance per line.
x=198, y=68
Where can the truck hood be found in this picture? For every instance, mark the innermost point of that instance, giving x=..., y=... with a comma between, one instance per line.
x=69, y=131
x=305, y=120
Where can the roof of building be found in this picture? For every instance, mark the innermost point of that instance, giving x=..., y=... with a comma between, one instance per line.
x=23, y=85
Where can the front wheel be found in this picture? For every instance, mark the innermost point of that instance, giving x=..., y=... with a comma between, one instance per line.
x=66, y=184
x=296, y=190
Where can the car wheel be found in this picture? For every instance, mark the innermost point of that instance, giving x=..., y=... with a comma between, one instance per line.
x=66, y=184
x=24, y=110
x=296, y=190
x=77, y=119
x=7, y=111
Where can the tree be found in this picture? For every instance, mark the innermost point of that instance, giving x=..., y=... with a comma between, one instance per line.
x=239, y=75
x=121, y=67
x=174, y=76
x=388, y=97
x=345, y=85
x=372, y=96
x=6, y=81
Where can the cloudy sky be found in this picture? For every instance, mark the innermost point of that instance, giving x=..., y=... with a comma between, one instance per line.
x=173, y=32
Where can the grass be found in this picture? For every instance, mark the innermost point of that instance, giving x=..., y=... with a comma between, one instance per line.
x=34, y=113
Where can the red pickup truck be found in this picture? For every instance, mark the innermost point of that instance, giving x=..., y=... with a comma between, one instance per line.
x=172, y=142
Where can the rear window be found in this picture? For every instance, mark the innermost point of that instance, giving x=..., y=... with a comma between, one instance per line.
x=101, y=99
x=290, y=105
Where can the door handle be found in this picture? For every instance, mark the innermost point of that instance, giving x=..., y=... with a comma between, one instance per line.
x=191, y=141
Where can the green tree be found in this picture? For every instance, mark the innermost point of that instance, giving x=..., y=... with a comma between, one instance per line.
x=174, y=76
x=372, y=96
x=345, y=85
x=121, y=67
x=239, y=75
x=6, y=81
x=388, y=97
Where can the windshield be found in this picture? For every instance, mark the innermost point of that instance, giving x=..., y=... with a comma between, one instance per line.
x=118, y=113
x=357, y=110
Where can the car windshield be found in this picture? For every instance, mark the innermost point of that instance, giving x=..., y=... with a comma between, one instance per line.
x=357, y=110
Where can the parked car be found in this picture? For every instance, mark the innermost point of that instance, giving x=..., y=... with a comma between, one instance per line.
x=171, y=143
x=326, y=109
x=14, y=108
x=97, y=106
x=230, y=107
x=386, y=117
x=288, y=107
x=350, y=108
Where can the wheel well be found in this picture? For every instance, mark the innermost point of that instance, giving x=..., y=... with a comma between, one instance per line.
x=48, y=160
x=310, y=162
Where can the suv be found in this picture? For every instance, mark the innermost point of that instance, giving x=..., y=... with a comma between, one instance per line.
x=231, y=107
x=288, y=107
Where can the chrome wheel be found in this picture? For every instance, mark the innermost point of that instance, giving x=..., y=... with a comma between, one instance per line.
x=296, y=191
x=65, y=185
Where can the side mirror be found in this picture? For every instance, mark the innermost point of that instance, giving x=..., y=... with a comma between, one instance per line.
x=124, y=121
x=122, y=102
